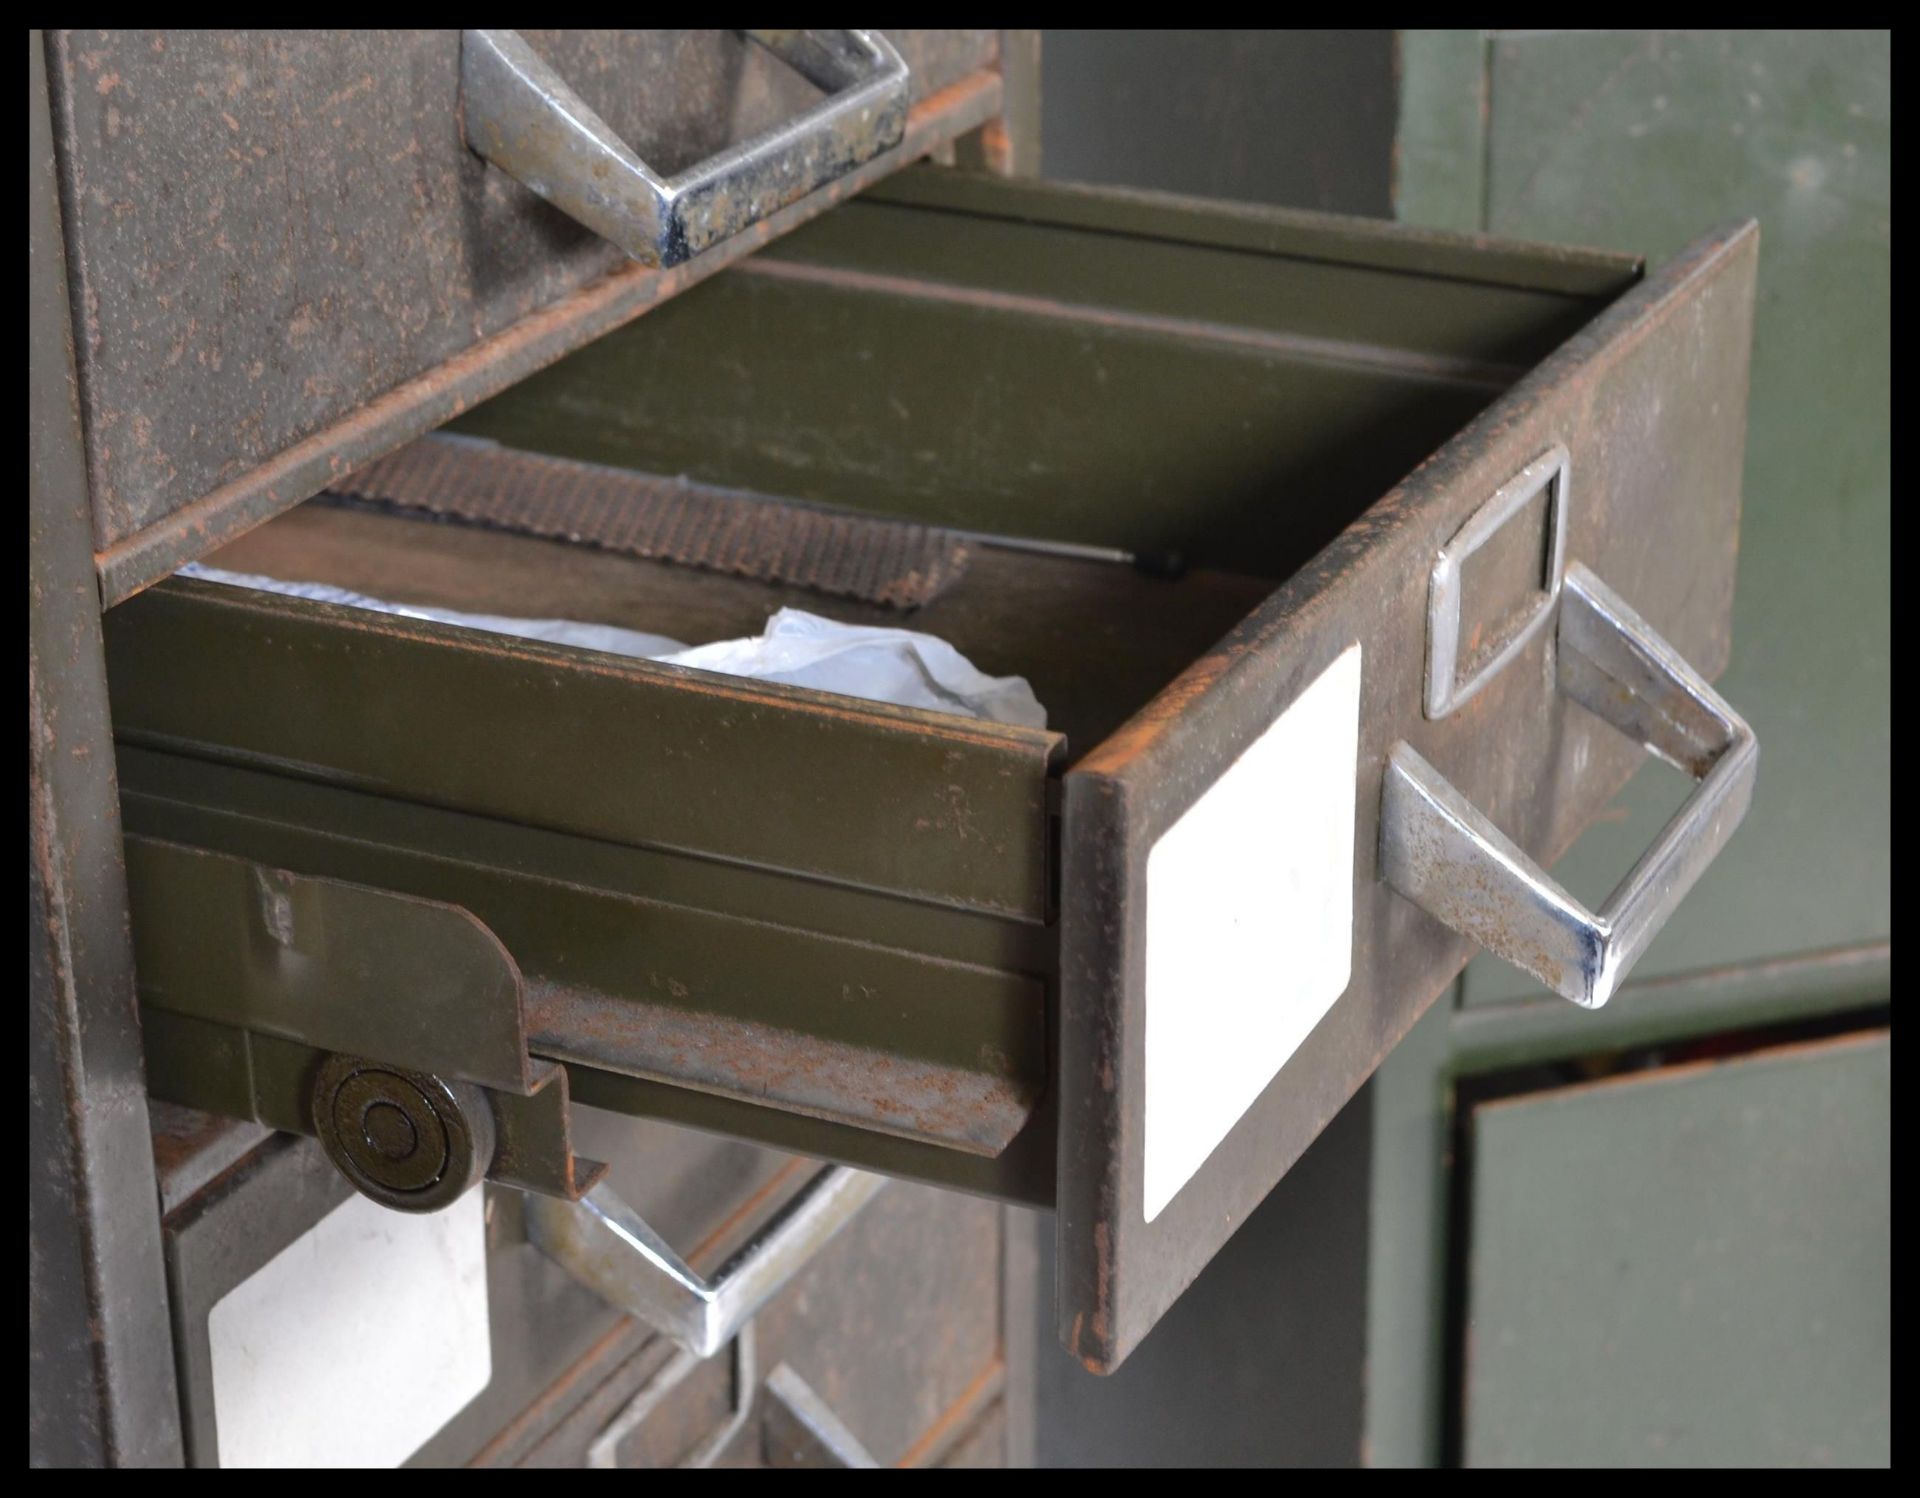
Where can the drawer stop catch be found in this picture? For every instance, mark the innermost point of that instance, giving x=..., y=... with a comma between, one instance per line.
x=390, y=1027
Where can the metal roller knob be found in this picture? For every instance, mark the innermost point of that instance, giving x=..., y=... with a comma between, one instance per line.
x=408, y=1139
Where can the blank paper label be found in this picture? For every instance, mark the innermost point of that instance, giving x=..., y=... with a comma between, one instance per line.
x=1249, y=926
x=357, y=1342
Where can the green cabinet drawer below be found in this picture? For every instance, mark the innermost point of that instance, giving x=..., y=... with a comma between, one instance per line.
x=1686, y=1267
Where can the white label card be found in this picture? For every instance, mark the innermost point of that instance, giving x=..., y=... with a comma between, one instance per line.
x=1249, y=937
x=356, y=1342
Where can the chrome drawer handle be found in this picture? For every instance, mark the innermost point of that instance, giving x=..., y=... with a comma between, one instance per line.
x=801, y=1430
x=1441, y=853
x=520, y=114
x=602, y=1242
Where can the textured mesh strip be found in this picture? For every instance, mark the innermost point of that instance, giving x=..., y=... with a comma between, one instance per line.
x=893, y=562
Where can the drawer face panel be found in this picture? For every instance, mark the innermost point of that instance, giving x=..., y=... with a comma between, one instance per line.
x=268, y=230
x=927, y=945
x=1650, y=402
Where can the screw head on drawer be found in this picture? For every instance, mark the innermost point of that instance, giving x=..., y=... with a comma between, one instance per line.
x=408, y=1139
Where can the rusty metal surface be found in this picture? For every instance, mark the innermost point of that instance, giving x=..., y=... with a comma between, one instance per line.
x=224, y=1086
x=978, y=1107
x=956, y=1437
x=272, y=996
x=1013, y=611
x=100, y=1356
x=277, y=238
x=896, y=563
x=191, y=1147
x=533, y=1147
x=987, y=1444
x=1022, y=1173
x=1009, y=144
x=1650, y=401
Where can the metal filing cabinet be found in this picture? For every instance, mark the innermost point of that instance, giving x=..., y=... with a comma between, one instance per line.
x=1358, y=567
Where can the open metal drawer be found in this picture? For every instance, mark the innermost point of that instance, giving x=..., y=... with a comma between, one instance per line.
x=1128, y=966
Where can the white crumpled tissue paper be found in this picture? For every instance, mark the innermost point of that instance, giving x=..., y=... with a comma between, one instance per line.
x=880, y=664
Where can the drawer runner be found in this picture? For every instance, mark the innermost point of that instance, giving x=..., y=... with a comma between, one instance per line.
x=665, y=987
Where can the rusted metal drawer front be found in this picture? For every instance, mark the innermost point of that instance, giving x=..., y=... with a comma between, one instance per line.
x=1650, y=403
x=267, y=231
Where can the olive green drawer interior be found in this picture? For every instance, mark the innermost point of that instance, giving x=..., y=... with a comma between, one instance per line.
x=1218, y=393
x=1234, y=386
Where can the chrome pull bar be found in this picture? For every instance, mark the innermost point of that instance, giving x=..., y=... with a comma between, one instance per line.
x=603, y=1243
x=1443, y=854
x=519, y=113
